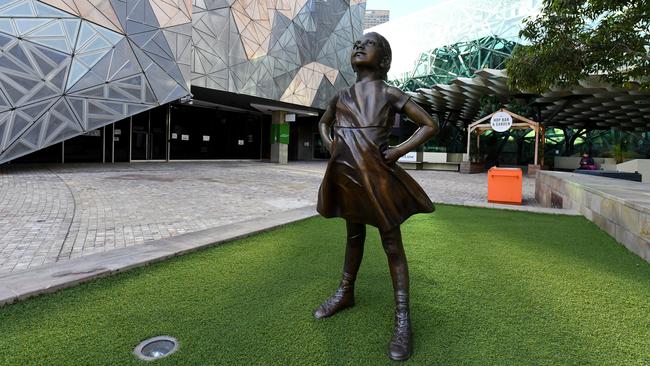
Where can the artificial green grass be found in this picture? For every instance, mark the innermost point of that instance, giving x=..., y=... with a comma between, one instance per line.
x=487, y=287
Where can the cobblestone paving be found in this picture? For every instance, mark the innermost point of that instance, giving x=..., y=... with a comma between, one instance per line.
x=56, y=212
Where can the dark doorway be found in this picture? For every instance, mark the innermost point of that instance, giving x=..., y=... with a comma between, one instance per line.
x=121, y=140
x=148, y=135
x=294, y=142
x=86, y=148
x=320, y=152
x=209, y=133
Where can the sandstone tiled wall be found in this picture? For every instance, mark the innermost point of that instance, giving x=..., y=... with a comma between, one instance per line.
x=614, y=207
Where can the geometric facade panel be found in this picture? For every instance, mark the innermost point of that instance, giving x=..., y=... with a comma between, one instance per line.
x=276, y=49
x=172, y=12
x=56, y=124
x=92, y=44
x=97, y=11
x=71, y=66
x=304, y=87
x=31, y=72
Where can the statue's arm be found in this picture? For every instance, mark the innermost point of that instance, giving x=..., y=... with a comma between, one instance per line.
x=325, y=125
x=428, y=128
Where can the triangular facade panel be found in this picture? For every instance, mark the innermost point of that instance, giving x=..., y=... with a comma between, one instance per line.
x=57, y=124
x=18, y=121
x=31, y=72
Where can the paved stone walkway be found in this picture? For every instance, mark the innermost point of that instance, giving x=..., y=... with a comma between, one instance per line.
x=57, y=212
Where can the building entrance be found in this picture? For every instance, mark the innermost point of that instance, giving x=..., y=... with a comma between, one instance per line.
x=148, y=130
x=209, y=133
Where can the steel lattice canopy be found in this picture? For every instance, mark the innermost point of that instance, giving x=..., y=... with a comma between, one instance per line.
x=591, y=104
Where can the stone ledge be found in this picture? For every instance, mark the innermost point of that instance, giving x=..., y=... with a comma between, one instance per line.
x=621, y=208
x=626, y=192
x=21, y=285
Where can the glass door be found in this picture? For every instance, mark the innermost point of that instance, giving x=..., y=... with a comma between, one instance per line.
x=148, y=131
x=140, y=137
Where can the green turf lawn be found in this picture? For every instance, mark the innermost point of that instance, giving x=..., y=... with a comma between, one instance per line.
x=488, y=287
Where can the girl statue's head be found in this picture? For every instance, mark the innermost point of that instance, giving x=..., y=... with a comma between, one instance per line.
x=372, y=52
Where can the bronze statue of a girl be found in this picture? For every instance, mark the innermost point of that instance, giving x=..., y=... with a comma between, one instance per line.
x=363, y=183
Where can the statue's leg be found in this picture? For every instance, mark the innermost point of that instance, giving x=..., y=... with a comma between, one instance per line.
x=344, y=295
x=400, y=346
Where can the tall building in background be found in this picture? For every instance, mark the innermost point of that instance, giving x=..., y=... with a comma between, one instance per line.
x=375, y=17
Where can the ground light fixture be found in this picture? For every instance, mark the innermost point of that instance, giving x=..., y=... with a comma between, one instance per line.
x=156, y=348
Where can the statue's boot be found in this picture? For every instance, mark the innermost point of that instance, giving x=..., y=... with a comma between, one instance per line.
x=343, y=298
x=401, y=343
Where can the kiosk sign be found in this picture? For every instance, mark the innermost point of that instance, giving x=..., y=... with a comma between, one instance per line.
x=409, y=157
x=501, y=121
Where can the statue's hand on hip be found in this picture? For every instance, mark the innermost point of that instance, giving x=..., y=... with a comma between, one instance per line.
x=391, y=155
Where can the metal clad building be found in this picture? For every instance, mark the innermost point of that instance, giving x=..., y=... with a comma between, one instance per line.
x=68, y=67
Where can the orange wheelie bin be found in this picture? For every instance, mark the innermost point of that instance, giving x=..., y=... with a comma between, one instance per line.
x=504, y=185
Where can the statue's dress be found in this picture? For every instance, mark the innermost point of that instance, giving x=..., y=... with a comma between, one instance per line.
x=358, y=185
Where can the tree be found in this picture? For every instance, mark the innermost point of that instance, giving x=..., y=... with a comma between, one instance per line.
x=574, y=39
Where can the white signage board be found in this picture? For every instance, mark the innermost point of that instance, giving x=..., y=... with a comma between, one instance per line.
x=174, y=136
x=206, y=138
x=185, y=137
x=290, y=117
x=501, y=121
x=240, y=142
x=410, y=157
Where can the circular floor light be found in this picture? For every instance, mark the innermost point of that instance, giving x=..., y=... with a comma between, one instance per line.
x=156, y=348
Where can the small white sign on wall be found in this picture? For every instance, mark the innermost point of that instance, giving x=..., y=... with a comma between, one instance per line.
x=185, y=137
x=174, y=136
x=410, y=157
x=117, y=132
x=240, y=142
x=206, y=138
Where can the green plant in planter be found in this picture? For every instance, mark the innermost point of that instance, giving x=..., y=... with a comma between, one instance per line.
x=621, y=154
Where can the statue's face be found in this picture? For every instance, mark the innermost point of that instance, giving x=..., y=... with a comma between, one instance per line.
x=366, y=52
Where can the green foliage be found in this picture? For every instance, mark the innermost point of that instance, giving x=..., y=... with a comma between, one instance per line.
x=489, y=287
x=621, y=154
x=620, y=145
x=573, y=39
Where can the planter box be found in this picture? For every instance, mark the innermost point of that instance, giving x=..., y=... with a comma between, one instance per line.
x=471, y=168
x=533, y=169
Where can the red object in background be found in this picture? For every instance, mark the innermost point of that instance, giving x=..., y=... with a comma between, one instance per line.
x=504, y=185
